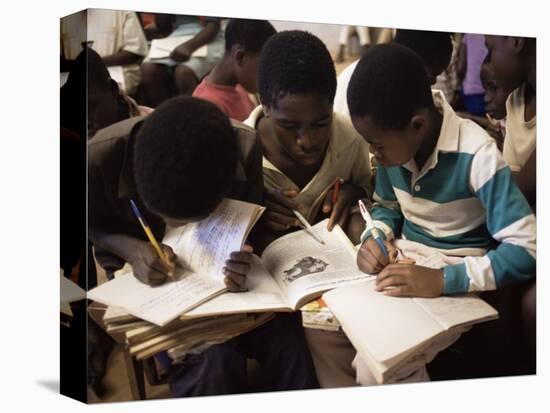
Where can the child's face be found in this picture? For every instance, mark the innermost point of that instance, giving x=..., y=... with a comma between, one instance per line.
x=247, y=72
x=302, y=124
x=389, y=147
x=504, y=60
x=495, y=96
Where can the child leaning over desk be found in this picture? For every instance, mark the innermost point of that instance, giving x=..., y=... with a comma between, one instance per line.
x=177, y=164
x=307, y=147
x=441, y=186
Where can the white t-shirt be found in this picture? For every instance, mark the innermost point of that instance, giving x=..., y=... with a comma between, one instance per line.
x=521, y=135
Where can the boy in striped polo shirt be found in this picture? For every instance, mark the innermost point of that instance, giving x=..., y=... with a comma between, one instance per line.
x=441, y=187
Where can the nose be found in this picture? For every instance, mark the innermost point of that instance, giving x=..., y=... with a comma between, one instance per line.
x=306, y=140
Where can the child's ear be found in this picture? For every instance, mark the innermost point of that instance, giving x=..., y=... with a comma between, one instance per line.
x=239, y=55
x=418, y=123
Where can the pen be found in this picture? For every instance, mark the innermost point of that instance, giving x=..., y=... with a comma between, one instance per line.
x=148, y=232
x=307, y=227
x=370, y=224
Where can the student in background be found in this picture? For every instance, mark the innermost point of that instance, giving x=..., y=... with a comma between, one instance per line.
x=177, y=164
x=434, y=48
x=495, y=104
x=115, y=34
x=441, y=186
x=306, y=146
x=236, y=75
x=513, y=60
x=471, y=53
x=181, y=72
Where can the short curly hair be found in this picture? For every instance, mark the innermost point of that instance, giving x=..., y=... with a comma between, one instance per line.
x=248, y=33
x=295, y=62
x=185, y=157
x=389, y=84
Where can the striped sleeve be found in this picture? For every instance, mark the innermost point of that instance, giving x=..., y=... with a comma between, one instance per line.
x=386, y=212
x=510, y=221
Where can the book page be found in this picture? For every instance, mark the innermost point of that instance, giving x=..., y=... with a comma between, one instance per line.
x=204, y=246
x=452, y=311
x=304, y=268
x=379, y=325
x=69, y=291
x=161, y=48
x=263, y=295
x=160, y=304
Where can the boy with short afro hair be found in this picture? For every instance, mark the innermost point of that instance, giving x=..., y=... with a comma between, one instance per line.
x=306, y=146
x=441, y=187
x=236, y=75
x=177, y=164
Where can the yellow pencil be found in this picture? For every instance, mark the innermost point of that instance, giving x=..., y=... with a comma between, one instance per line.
x=149, y=233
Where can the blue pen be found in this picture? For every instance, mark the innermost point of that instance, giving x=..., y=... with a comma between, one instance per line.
x=374, y=230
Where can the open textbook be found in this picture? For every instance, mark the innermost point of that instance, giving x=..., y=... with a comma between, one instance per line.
x=202, y=249
x=292, y=271
x=388, y=332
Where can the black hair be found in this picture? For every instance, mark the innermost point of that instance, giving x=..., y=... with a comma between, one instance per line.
x=389, y=84
x=295, y=62
x=250, y=34
x=434, y=48
x=185, y=156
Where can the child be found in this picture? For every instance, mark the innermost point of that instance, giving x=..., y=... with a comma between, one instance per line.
x=181, y=72
x=441, y=186
x=306, y=147
x=495, y=104
x=434, y=48
x=236, y=75
x=116, y=35
x=513, y=60
x=177, y=164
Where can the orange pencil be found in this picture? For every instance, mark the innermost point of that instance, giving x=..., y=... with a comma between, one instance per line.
x=336, y=191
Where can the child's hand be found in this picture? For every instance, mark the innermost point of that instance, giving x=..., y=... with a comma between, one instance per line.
x=236, y=268
x=279, y=215
x=371, y=259
x=147, y=265
x=182, y=53
x=410, y=281
x=339, y=212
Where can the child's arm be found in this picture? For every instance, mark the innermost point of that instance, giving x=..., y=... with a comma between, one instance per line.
x=527, y=180
x=510, y=221
x=183, y=52
x=134, y=44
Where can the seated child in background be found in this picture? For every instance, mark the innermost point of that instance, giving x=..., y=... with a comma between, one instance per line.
x=90, y=89
x=177, y=164
x=181, y=72
x=471, y=53
x=513, y=60
x=116, y=35
x=495, y=104
x=307, y=147
x=441, y=185
x=236, y=75
x=434, y=48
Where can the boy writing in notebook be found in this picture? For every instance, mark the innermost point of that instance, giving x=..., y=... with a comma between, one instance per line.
x=307, y=147
x=176, y=165
x=236, y=75
x=441, y=187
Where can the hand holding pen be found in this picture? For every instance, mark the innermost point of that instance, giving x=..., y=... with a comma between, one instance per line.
x=338, y=202
x=375, y=253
